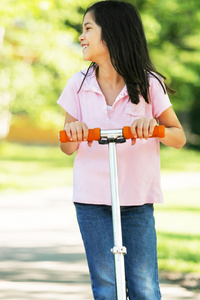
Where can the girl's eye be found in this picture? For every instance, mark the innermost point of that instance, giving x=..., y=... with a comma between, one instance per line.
x=88, y=28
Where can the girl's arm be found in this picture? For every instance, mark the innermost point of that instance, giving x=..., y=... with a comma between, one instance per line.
x=76, y=131
x=174, y=134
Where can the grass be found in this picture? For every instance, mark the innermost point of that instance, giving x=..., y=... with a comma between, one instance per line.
x=181, y=160
x=178, y=230
x=24, y=167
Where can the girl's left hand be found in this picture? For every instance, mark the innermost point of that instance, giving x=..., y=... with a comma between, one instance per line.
x=142, y=128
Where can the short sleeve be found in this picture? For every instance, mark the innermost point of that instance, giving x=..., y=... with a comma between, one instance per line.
x=69, y=98
x=159, y=99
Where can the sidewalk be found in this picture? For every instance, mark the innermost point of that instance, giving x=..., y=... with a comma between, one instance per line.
x=42, y=255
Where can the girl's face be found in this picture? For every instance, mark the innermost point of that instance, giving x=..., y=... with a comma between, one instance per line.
x=94, y=49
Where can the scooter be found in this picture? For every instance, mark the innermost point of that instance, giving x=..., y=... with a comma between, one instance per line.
x=113, y=137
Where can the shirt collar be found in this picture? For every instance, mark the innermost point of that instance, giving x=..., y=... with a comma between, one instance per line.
x=91, y=84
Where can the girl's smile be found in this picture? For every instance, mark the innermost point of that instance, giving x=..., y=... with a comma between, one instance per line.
x=84, y=46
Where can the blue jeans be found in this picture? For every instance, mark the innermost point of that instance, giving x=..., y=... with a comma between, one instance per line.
x=139, y=237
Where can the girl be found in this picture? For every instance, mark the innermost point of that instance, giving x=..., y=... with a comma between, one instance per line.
x=120, y=88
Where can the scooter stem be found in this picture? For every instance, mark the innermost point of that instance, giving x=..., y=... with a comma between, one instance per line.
x=118, y=250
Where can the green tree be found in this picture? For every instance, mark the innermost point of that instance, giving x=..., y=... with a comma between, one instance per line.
x=41, y=52
x=177, y=52
x=38, y=56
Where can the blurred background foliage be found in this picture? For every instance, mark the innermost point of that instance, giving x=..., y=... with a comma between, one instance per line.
x=39, y=51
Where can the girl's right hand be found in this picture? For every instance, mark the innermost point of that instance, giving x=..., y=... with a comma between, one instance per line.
x=77, y=132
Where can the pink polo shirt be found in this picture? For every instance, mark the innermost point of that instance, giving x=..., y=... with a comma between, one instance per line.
x=138, y=165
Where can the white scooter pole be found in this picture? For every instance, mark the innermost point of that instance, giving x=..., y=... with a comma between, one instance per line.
x=111, y=137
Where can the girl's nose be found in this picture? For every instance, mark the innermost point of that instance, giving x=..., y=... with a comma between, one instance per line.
x=81, y=37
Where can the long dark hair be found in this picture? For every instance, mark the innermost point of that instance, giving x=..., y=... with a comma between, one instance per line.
x=123, y=33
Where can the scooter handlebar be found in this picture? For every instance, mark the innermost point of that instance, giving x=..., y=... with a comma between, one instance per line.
x=95, y=134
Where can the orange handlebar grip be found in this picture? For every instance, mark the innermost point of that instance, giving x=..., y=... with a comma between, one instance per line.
x=159, y=131
x=62, y=136
x=93, y=135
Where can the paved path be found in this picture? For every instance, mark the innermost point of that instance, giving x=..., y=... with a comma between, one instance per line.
x=41, y=252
